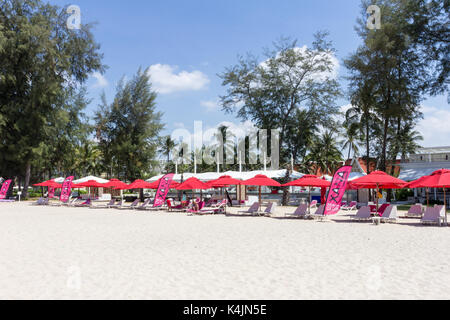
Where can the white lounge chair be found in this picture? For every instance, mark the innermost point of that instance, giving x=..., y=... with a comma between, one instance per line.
x=252, y=210
x=415, y=211
x=432, y=216
x=363, y=214
x=318, y=214
x=130, y=207
x=270, y=210
x=352, y=206
x=390, y=214
x=301, y=212
x=105, y=206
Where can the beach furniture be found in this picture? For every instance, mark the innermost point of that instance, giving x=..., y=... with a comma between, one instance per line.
x=432, y=215
x=40, y=202
x=350, y=207
x=363, y=214
x=86, y=204
x=144, y=205
x=270, y=210
x=130, y=207
x=119, y=204
x=390, y=214
x=318, y=214
x=313, y=204
x=172, y=208
x=105, y=206
x=253, y=210
x=415, y=211
x=301, y=212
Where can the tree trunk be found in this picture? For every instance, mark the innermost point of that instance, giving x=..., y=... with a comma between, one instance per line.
x=27, y=180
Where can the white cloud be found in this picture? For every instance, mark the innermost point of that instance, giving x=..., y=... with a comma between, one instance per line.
x=101, y=80
x=165, y=79
x=210, y=105
x=435, y=127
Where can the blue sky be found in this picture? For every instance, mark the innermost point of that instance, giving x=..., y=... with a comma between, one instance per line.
x=187, y=43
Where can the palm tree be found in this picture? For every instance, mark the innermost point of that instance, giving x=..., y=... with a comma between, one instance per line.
x=352, y=138
x=325, y=154
x=89, y=158
x=167, y=148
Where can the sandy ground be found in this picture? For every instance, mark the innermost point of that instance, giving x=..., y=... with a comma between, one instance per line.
x=72, y=253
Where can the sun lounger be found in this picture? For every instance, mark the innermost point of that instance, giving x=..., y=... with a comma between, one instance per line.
x=144, y=205
x=86, y=204
x=415, y=211
x=116, y=205
x=40, y=202
x=390, y=214
x=434, y=215
x=172, y=208
x=313, y=204
x=318, y=214
x=363, y=214
x=252, y=210
x=352, y=206
x=270, y=210
x=301, y=212
x=105, y=206
x=130, y=207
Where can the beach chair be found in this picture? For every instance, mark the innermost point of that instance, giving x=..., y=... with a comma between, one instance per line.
x=318, y=214
x=105, y=206
x=130, y=207
x=144, y=205
x=252, y=210
x=115, y=205
x=363, y=214
x=432, y=215
x=301, y=212
x=415, y=211
x=390, y=214
x=86, y=204
x=40, y=202
x=313, y=204
x=172, y=208
x=270, y=210
x=352, y=206
x=201, y=205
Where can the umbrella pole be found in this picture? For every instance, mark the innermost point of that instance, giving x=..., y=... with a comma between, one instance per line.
x=428, y=199
x=377, y=198
x=445, y=207
x=309, y=199
x=260, y=202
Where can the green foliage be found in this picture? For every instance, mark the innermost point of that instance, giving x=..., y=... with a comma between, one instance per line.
x=272, y=93
x=128, y=129
x=43, y=64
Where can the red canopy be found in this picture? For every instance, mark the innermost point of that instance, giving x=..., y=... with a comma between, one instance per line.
x=225, y=181
x=309, y=181
x=89, y=184
x=49, y=183
x=138, y=184
x=378, y=179
x=438, y=179
x=155, y=185
x=261, y=180
x=115, y=183
x=193, y=184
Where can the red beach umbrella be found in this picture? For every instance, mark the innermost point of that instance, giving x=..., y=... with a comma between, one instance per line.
x=49, y=183
x=378, y=180
x=438, y=179
x=225, y=181
x=155, y=185
x=138, y=184
x=311, y=181
x=193, y=184
x=90, y=184
x=115, y=183
x=261, y=181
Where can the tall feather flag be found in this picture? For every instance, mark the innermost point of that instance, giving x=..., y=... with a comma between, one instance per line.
x=66, y=190
x=337, y=191
x=4, y=189
x=163, y=190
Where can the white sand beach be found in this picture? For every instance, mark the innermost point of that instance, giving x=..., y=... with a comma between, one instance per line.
x=74, y=253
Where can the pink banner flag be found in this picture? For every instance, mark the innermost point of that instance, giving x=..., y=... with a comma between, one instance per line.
x=337, y=191
x=4, y=189
x=163, y=190
x=51, y=192
x=66, y=190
